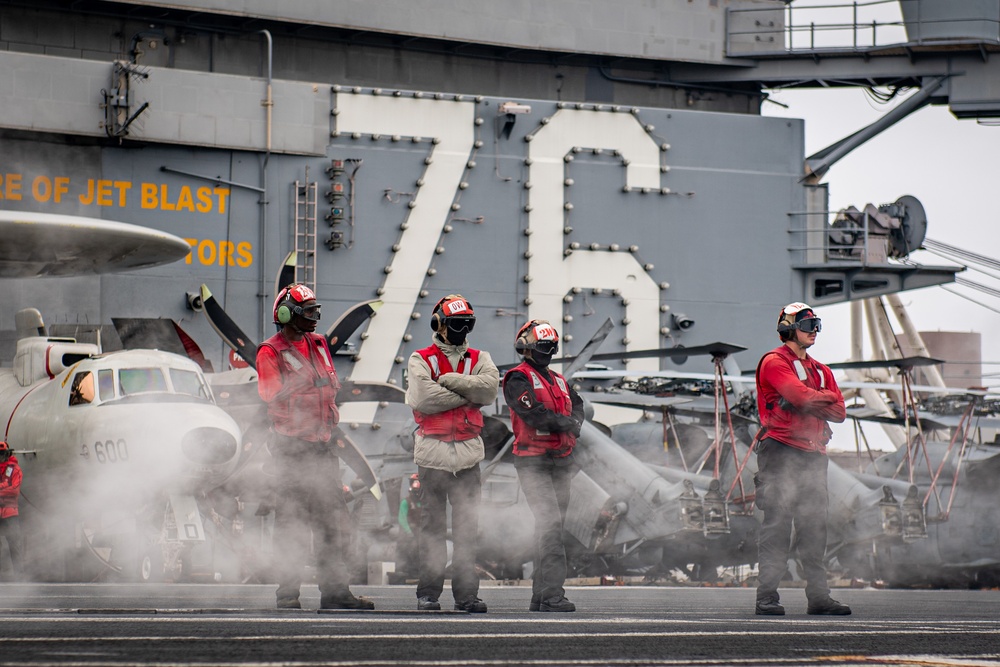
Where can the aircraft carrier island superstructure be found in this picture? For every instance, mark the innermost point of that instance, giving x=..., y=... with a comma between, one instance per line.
x=564, y=160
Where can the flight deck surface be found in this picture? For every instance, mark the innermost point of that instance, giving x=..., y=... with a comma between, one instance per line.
x=105, y=624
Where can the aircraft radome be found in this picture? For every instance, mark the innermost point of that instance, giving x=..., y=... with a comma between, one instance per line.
x=47, y=244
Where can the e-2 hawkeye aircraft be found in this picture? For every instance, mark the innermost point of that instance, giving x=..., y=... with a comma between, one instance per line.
x=121, y=449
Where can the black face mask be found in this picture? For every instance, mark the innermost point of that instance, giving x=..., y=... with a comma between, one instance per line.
x=541, y=359
x=455, y=337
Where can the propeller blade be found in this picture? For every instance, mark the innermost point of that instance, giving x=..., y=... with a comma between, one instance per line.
x=580, y=360
x=717, y=349
x=358, y=391
x=348, y=452
x=903, y=364
x=286, y=274
x=349, y=321
x=227, y=329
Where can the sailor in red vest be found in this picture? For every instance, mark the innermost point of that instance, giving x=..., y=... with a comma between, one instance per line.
x=10, y=490
x=796, y=397
x=546, y=415
x=448, y=382
x=297, y=380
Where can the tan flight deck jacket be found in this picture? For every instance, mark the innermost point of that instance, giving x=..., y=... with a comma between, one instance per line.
x=450, y=391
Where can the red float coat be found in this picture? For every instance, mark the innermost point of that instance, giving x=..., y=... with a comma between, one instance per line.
x=298, y=382
x=810, y=393
x=462, y=423
x=10, y=487
x=529, y=441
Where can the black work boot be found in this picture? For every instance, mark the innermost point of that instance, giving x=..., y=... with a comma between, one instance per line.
x=428, y=603
x=558, y=603
x=345, y=601
x=828, y=607
x=769, y=606
x=471, y=604
x=536, y=602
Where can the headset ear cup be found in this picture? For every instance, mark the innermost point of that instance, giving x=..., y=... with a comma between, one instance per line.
x=284, y=314
x=435, y=322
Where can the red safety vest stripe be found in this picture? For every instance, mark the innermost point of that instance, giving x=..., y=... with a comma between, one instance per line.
x=528, y=441
x=461, y=423
x=309, y=414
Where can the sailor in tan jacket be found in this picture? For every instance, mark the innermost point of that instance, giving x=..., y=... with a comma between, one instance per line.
x=448, y=382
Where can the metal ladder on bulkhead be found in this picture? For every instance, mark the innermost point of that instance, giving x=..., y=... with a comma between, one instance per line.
x=304, y=240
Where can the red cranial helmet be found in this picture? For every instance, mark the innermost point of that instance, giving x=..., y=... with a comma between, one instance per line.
x=797, y=316
x=292, y=300
x=455, y=312
x=537, y=335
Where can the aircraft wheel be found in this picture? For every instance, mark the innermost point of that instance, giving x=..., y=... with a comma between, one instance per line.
x=150, y=566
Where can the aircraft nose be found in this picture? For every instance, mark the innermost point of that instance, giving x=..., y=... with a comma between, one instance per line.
x=208, y=445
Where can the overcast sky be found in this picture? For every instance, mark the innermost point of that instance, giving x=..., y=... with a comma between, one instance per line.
x=949, y=165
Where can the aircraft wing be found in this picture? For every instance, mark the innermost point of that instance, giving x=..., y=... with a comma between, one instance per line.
x=45, y=244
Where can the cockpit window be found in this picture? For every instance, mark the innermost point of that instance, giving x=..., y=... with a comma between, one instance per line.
x=141, y=380
x=188, y=382
x=82, y=390
x=106, y=384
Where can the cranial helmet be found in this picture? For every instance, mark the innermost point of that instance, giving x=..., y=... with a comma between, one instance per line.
x=289, y=303
x=454, y=312
x=797, y=316
x=537, y=335
x=4, y=447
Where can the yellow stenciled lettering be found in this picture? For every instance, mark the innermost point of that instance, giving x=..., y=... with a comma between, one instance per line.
x=223, y=194
x=165, y=203
x=88, y=197
x=206, y=252
x=104, y=193
x=204, y=195
x=184, y=201
x=12, y=187
x=41, y=189
x=123, y=187
x=62, y=188
x=226, y=253
x=245, y=257
x=149, y=197
x=192, y=243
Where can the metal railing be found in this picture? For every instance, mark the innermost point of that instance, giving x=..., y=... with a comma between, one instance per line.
x=859, y=26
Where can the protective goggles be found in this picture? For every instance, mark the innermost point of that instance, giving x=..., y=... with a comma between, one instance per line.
x=809, y=325
x=546, y=346
x=310, y=313
x=460, y=324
